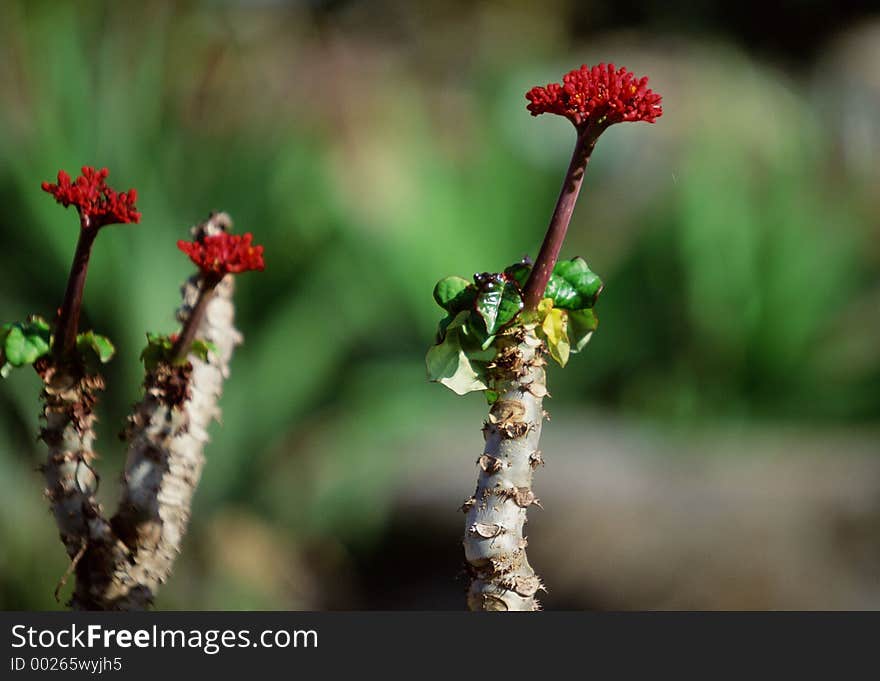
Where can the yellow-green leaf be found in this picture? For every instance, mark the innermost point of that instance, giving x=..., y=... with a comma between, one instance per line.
x=555, y=332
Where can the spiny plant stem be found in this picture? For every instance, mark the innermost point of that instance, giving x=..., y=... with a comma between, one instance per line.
x=494, y=542
x=167, y=434
x=68, y=319
x=571, y=187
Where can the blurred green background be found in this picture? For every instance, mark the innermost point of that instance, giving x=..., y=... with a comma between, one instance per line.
x=716, y=446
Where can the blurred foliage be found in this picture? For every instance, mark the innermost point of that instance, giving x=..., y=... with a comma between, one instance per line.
x=737, y=245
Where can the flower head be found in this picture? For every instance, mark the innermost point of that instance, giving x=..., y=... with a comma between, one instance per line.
x=597, y=97
x=97, y=204
x=224, y=253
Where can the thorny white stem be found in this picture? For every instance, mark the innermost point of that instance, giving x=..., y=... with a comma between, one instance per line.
x=494, y=544
x=68, y=399
x=167, y=436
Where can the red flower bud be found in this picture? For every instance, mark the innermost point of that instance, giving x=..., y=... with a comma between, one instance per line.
x=224, y=253
x=97, y=204
x=597, y=97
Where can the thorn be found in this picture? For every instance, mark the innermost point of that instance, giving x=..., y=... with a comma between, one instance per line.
x=539, y=390
x=490, y=464
x=536, y=459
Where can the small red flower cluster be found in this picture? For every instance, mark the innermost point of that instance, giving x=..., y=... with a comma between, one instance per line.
x=224, y=253
x=598, y=96
x=98, y=204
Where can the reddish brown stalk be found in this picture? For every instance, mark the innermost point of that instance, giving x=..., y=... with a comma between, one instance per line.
x=68, y=320
x=190, y=328
x=571, y=187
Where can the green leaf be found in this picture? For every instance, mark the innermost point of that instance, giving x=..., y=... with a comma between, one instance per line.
x=498, y=301
x=160, y=346
x=454, y=294
x=35, y=347
x=36, y=324
x=201, y=348
x=452, y=364
x=15, y=346
x=476, y=331
x=581, y=325
x=567, y=268
x=161, y=340
x=23, y=343
x=518, y=272
x=39, y=336
x=157, y=350
x=99, y=345
x=443, y=325
x=573, y=286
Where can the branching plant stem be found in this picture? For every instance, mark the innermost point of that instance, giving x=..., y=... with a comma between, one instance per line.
x=120, y=563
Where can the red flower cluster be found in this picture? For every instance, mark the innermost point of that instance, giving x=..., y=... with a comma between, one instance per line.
x=597, y=96
x=224, y=253
x=98, y=204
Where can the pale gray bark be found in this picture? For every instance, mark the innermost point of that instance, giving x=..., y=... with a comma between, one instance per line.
x=68, y=399
x=494, y=543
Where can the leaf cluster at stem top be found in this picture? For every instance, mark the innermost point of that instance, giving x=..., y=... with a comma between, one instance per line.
x=23, y=343
x=160, y=350
x=496, y=300
x=479, y=311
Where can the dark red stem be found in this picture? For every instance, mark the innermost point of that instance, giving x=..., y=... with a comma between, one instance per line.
x=571, y=187
x=68, y=320
x=191, y=325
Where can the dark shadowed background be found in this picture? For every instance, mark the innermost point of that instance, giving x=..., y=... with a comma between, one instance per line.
x=716, y=446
